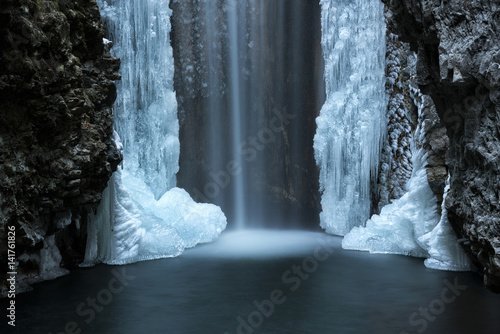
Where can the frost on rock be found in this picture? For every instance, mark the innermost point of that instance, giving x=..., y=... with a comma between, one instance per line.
x=352, y=120
x=395, y=162
x=141, y=215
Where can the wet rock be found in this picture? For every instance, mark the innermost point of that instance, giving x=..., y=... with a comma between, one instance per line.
x=56, y=91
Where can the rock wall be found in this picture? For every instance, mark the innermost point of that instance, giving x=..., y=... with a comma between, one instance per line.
x=458, y=47
x=395, y=161
x=56, y=148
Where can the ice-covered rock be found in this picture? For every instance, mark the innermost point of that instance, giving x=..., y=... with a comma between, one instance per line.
x=401, y=223
x=412, y=226
x=444, y=250
x=50, y=260
x=130, y=225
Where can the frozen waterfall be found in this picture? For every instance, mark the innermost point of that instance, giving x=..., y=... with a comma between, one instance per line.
x=411, y=225
x=142, y=215
x=352, y=120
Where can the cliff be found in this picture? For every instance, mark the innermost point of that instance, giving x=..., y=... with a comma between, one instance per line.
x=56, y=147
x=458, y=66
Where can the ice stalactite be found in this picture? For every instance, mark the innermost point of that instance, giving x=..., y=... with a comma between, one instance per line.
x=142, y=215
x=352, y=121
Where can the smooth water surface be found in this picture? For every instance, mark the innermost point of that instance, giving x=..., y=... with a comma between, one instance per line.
x=318, y=288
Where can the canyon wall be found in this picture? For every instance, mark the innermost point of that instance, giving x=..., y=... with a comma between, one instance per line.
x=458, y=66
x=56, y=137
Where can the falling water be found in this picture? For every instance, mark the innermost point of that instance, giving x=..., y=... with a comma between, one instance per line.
x=351, y=122
x=247, y=73
x=239, y=186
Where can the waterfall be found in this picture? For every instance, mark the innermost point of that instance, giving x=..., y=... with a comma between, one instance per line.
x=142, y=215
x=352, y=120
x=236, y=111
x=247, y=90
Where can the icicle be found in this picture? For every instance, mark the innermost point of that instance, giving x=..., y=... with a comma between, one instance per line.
x=352, y=120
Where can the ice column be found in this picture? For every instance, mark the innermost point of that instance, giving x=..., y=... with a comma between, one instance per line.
x=352, y=121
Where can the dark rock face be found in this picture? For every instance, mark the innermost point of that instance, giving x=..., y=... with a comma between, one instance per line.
x=402, y=121
x=435, y=144
x=458, y=45
x=56, y=147
x=395, y=161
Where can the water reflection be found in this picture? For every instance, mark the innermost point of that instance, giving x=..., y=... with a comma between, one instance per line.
x=348, y=292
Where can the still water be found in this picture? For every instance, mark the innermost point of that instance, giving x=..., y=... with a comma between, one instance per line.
x=262, y=282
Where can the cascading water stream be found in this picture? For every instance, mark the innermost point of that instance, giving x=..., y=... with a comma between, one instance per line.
x=236, y=111
x=246, y=77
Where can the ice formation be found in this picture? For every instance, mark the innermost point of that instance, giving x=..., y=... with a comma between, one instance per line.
x=400, y=224
x=442, y=244
x=352, y=120
x=131, y=225
x=142, y=216
x=50, y=259
x=411, y=225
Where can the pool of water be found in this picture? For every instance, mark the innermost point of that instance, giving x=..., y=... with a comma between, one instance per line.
x=262, y=282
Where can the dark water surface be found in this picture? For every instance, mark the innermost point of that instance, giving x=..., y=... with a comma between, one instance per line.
x=205, y=291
